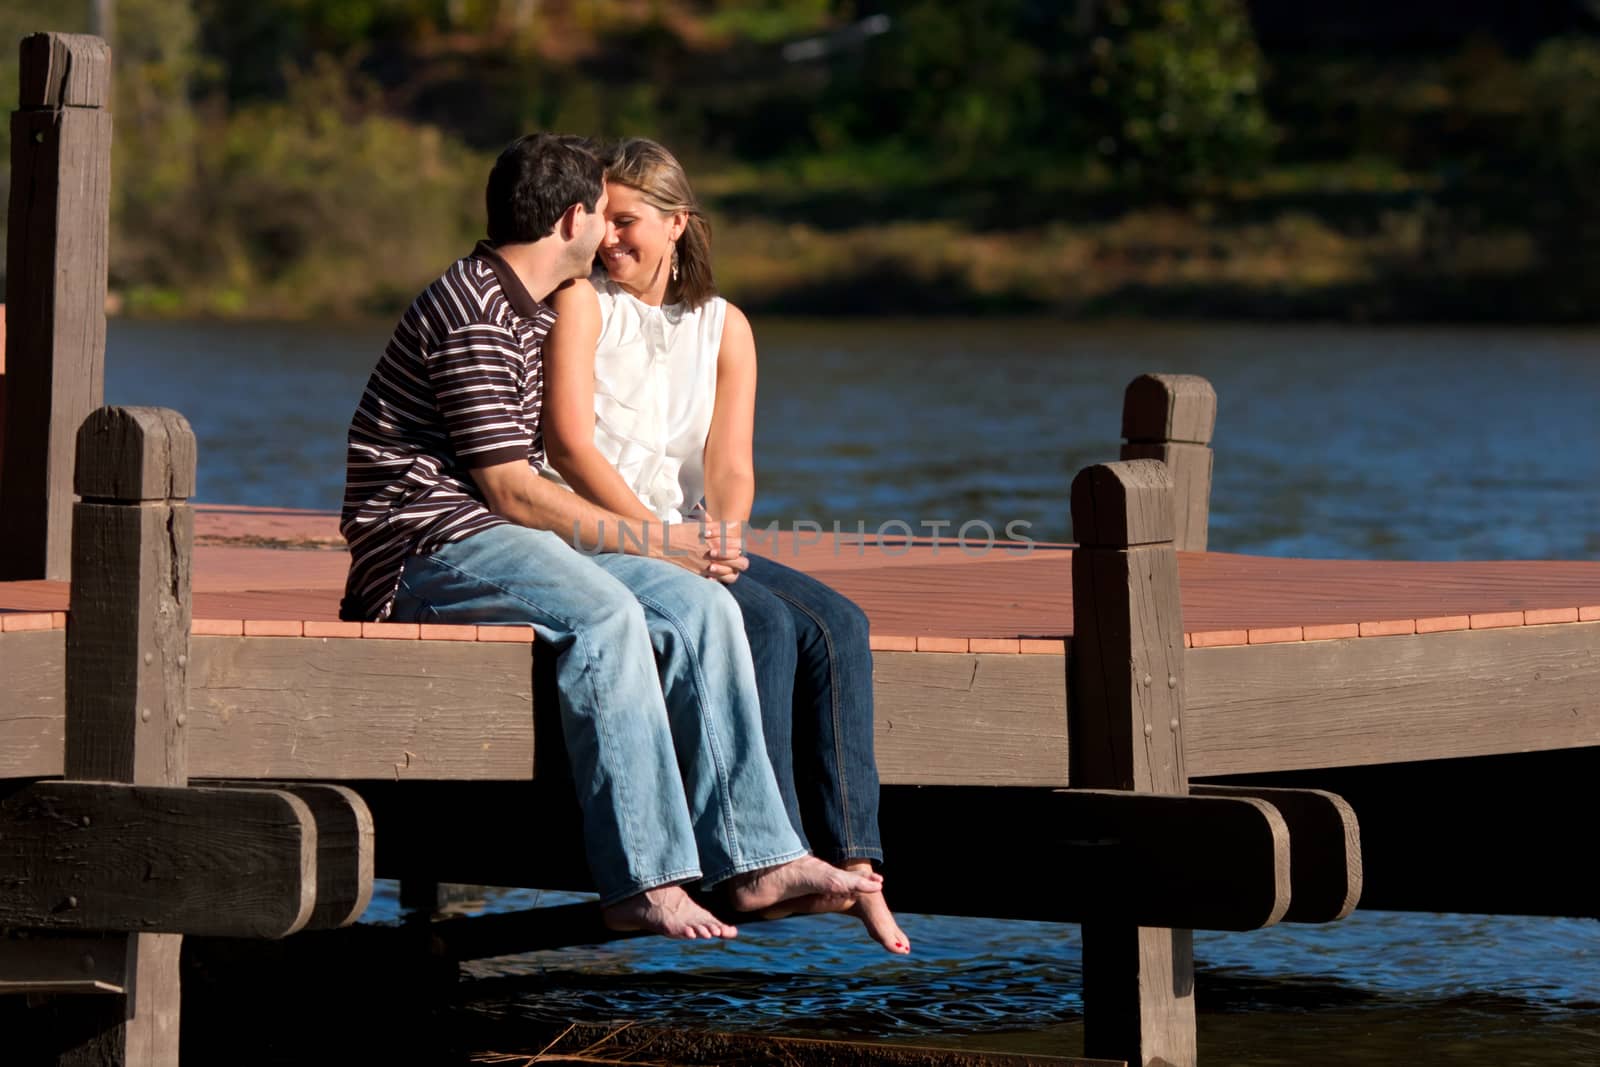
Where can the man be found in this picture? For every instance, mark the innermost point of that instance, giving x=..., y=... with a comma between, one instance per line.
x=448, y=521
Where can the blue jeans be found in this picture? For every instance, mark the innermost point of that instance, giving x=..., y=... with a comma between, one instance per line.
x=814, y=673
x=658, y=700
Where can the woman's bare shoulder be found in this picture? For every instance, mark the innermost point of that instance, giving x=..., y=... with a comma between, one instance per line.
x=576, y=295
x=735, y=325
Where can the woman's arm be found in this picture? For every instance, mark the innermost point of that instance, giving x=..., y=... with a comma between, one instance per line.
x=569, y=405
x=729, y=466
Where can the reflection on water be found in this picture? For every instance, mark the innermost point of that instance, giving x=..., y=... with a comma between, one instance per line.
x=1333, y=442
x=1476, y=990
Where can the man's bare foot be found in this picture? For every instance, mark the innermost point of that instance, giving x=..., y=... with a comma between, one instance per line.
x=666, y=910
x=806, y=876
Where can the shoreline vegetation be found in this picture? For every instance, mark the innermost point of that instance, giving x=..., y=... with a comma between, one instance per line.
x=1103, y=159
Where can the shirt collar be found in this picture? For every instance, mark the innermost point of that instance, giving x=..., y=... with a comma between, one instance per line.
x=522, y=302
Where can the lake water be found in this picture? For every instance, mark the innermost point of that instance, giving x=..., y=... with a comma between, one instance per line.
x=1331, y=442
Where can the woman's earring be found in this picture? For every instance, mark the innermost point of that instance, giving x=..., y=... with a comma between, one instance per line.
x=674, y=261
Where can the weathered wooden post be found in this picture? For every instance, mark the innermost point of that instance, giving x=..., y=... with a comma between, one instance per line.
x=1126, y=723
x=108, y=868
x=128, y=658
x=1171, y=417
x=56, y=254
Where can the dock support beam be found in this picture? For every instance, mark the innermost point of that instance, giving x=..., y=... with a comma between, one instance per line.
x=56, y=256
x=1126, y=723
x=1171, y=417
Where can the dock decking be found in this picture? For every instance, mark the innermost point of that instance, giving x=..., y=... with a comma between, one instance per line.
x=921, y=595
x=1296, y=663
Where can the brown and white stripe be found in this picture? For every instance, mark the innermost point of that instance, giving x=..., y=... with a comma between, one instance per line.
x=459, y=386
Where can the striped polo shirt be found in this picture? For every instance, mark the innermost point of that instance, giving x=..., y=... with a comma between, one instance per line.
x=458, y=387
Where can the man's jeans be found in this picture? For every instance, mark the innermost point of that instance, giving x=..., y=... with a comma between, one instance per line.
x=814, y=673
x=671, y=772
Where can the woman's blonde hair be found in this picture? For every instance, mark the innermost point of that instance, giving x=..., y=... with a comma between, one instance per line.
x=658, y=176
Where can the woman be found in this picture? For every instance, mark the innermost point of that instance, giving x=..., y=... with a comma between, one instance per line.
x=649, y=411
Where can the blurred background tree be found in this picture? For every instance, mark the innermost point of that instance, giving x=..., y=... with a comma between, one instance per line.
x=297, y=157
x=1178, y=90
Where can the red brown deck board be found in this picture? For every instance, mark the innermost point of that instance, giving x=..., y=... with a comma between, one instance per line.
x=931, y=595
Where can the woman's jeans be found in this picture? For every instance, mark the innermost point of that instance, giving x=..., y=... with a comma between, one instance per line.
x=658, y=700
x=814, y=672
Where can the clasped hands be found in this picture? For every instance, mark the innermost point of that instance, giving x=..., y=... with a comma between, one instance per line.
x=711, y=548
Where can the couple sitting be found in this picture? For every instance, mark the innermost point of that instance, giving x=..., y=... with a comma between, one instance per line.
x=563, y=440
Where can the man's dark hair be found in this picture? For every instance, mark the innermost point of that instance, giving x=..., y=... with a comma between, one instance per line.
x=535, y=180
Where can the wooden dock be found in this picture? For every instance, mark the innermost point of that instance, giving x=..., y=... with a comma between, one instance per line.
x=1297, y=664
x=192, y=744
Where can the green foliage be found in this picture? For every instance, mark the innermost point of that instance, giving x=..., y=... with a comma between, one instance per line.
x=957, y=83
x=315, y=203
x=1178, y=84
x=765, y=23
x=1563, y=127
x=966, y=82
x=292, y=157
x=1164, y=91
x=153, y=153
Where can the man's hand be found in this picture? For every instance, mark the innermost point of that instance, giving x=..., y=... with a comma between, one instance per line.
x=677, y=543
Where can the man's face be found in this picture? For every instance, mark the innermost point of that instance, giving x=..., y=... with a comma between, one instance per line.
x=588, y=237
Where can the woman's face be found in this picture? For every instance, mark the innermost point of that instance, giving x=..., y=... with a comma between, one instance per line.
x=637, y=247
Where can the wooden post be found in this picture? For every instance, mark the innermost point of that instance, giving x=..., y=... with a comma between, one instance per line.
x=127, y=665
x=56, y=252
x=1126, y=725
x=1170, y=417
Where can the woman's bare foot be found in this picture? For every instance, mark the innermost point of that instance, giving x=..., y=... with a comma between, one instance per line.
x=666, y=910
x=815, y=904
x=806, y=876
x=870, y=908
x=874, y=912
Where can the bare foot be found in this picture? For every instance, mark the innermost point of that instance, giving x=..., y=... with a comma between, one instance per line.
x=815, y=904
x=870, y=908
x=806, y=876
x=666, y=910
x=874, y=912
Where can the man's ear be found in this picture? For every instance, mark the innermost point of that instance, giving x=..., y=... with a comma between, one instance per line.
x=567, y=228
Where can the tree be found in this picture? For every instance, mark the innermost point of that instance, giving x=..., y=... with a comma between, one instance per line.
x=1177, y=90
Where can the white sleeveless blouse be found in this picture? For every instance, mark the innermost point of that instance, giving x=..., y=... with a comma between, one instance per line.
x=655, y=383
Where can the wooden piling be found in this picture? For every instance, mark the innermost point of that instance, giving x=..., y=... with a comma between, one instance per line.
x=127, y=662
x=1126, y=720
x=56, y=255
x=1171, y=417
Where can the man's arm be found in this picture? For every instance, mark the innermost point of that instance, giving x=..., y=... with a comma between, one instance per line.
x=515, y=492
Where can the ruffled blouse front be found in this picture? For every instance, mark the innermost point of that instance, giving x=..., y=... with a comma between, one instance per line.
x=655, y=380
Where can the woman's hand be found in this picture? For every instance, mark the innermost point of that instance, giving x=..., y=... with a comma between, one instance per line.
x=725, y=549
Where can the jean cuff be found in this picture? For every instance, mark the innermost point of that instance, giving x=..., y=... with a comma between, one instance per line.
x=753, y=865
x=840, y=856
x=633, y=889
